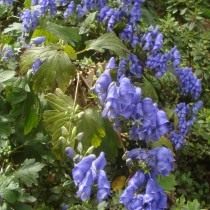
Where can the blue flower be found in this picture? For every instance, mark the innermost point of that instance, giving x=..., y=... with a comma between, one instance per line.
x=36, y=65
x=69, y=10
x=158, y=62
x=88, y=172
x=70, y=152
x=189, y=83
x=48, y=5
x=151, y=195
x=39, y=40
x=149, y=123
x=29, y=20
x=7, y=53
x=160, y=160
x=7, y=2
x=103, y=186
x=81, y=168
x=85, y=186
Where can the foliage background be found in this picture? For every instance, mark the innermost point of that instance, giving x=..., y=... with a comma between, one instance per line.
x=37, y=121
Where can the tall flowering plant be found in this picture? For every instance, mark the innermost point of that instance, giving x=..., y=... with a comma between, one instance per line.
x=136, y=117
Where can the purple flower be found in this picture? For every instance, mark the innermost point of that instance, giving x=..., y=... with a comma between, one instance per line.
x=81, y=168
x=160, y=160
x=36, y=65
x=7, y=53
x=70, y=152
x=69, y=10
x=152, y=195
x=29, y=20
x=48, y=5
x=158, y=62
x=150, y=123
x=85, y=186
x=103, y=186
x=189, y=83
x=39, y=40
x=7, y=2
x=88, y=172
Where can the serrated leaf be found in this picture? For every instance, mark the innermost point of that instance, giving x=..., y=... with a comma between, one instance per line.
x=70, y=51
x=110, y=143
x=60, y=116
x=91, y=124
x=8, y=188
x=27, y=4
x=28, y=172
x=56, y=70
x=13, y=27
x=149, y=90
x=6, y=75
x=50, y=38
x=163, y=141
x=32, y=108
x=86, y=24
x=108, y=41
x=65, y=33
x=168, y=183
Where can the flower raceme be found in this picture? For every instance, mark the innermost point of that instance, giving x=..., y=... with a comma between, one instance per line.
x=87, y=172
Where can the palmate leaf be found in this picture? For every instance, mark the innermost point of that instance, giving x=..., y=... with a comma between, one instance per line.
x=28, y=172
x=65, y=33
x=8, y=188
x=6, y=75
x=168, y=183
x=98, y=133
x=56, y=70
x=57, y=118
x=108, y=41
x=86, y=24
x=91, y=125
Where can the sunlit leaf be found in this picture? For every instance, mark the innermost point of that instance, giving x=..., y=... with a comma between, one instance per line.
x=56, y=70
x=108, y=41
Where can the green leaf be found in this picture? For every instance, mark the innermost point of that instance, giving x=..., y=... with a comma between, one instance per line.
x=50, y=38
x=108, y=41
x=59, y=118
x=6, y=75
x=13, y=27
x=91, y=124
x=149, y=90
x=110, y=143
x=56, y=70
x=5, y=127
x=65, y=33
x=98, y=133
x=163, y=141
x=86, y=25
x=168, y=183
x=70, y=51
x=22, y=206
x=32, y=109
x=27, y=4
x=8, y=188
x=28, y=172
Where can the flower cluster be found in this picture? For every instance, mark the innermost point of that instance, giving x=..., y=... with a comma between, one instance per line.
x=48, y=5
x=121, y=99
x=88, y=171
x=7, y=2
x=6, y=53
x=135, y=197
x=29, y=20
x=189, y=83
x=159, y=160
x=186, y=117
